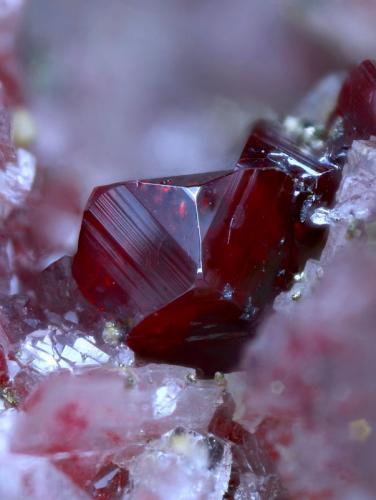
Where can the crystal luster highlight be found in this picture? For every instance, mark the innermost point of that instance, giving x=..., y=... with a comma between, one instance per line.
x=191, y=262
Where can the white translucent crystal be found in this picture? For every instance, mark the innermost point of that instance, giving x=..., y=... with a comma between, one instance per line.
x=16, y=180
x=236, y=386
x=6, y=423
x=103, y=409
x=50, y=349
x=323, y=217
x=253, y=487
x=181, y=465
x=13, y=368
x=165, y=399
x=317, y=105
x=356, y=200
x=71, y=316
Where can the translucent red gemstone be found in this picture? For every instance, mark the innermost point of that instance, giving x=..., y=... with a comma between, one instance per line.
x=356, y=103
x=3, y=368
x=191, y=261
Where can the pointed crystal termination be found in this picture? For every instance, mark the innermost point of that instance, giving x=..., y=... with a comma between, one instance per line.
x=192, y=261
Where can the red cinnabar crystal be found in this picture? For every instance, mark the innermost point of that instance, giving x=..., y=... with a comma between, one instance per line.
x=356, y=103
x=191, y=261
x=3, y=368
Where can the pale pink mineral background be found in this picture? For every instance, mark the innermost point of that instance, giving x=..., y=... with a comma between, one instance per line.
x=126, y=88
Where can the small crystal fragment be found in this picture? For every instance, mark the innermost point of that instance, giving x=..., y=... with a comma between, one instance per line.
x=181, y=464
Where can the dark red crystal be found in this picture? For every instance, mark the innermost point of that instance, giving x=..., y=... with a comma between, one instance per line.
x=356, y=104
x=191, y=261
x=11, y=92
x=316, y=178
x=3, y=368
x=250, y=456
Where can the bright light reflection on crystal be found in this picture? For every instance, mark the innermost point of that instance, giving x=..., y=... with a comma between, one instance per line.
x=165, y=400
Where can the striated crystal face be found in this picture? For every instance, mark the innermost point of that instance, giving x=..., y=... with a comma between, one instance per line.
x=191, y=261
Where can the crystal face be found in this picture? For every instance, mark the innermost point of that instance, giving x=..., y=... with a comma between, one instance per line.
x=190, y=262
x=356, y=103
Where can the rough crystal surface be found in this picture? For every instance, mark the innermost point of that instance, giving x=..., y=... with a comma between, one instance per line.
x=103, y=418
x=51, y=327
x=22, y=476
x=310, y=379
x=317, y=105
x=181, y=464
x=355, y=201
x=16, y=181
